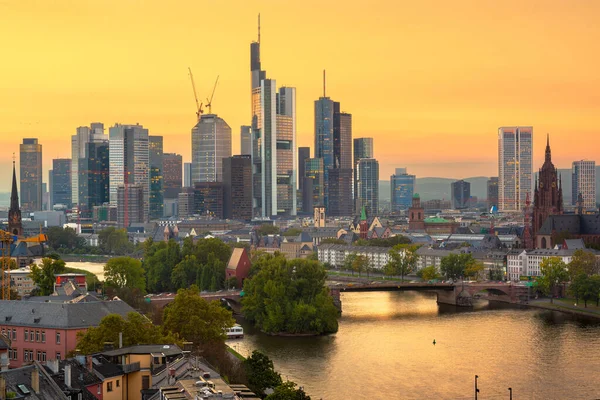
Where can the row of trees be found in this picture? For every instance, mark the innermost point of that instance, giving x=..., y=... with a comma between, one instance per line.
x=110, y=241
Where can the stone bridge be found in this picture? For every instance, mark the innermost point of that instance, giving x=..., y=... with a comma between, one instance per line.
x=232, y=297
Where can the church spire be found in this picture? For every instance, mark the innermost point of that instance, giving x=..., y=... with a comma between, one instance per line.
x=14, y=195
x=548, y=155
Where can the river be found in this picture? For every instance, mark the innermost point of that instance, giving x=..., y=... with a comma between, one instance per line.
x=384, y=349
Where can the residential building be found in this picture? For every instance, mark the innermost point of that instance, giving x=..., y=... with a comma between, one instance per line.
x=211, y=143
x=403, y=187
x=527, y=262
x=130, y=205
x=460, y=192
x=172, y=175
x=129, y=161
x=246, y=140
x=21, y=281
x=492, y=192
x=30, y=382
x=94, y=176
x=367, y=178
x=79, y=146
x=584, y=183
x=155, y=149
x=237, y=187
x=208, y=199
x=31, y=175
x=515, y=167
x=300, y=246
x=336, y=254
x=61, y=182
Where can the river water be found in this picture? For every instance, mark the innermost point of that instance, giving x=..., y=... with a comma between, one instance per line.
x=384, y=350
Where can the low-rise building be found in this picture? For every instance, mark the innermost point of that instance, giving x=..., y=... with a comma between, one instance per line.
x=30, y=382
x=238, y=266
x=335, y=254
x=20, y=280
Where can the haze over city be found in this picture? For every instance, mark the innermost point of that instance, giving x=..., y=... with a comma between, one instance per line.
x=430, y=81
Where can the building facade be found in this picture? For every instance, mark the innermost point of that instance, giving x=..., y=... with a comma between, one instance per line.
x=368, y=185
x=130, y=205
x=492, y=192
x=340, y=191
x=84, y=135
x=155, y=149
x=515, y=167
x=303, y=155
x=61, y=182
x=172, y=175
x=31, y=175
x=211, y=143
x=246, y=140
x=460, y=193
x=402, y=189
x=237, y=187
x=584, y=183
x=208, y=199
x=313, y=170
x=363, y=148
x=94, y=177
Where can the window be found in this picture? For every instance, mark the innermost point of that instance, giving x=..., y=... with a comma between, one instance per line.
x=25, y=355
x=37, y=336
x=43, y=356
x=117, y=383
x=145, y=382
x=26, y=335
x=109, y=386
x=43, y=336
x=57, y=337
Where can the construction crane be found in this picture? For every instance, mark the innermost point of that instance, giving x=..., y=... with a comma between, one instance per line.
x=209, y=102
x=199, y=110
x=6, y=239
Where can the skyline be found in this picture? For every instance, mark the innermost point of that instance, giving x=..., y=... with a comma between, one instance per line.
x=463, y=77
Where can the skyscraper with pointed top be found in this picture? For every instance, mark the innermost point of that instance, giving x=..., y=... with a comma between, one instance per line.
x=14, y=213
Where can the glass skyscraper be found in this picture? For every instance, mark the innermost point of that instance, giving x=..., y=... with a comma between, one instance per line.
x=84, y=135
x=515, y=167
x=31, y=175
x=368, y=185
x=155, y=148
x=94, y=172
x=61, y=182
x=402, y=189
x=211, y=143
x=584, y=183
x=363, y=148
x=313, y=170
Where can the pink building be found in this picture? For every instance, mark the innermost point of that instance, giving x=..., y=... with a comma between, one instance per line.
x=48, y=331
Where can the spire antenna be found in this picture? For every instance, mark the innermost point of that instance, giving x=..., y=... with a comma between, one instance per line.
x=258, y=27
x=324, y=84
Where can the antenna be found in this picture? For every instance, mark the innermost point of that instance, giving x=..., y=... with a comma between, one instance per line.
x=258, y=27
x=324, y=83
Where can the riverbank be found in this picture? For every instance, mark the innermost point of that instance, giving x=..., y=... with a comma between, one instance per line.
x=558, y=305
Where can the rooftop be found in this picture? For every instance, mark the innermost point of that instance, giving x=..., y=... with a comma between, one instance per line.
x=165, y=349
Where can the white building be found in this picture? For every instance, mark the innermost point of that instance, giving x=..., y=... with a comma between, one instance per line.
x=20, y=280
x=515, y=167
x=336, y=254
x=527, y=262
x=584, y=182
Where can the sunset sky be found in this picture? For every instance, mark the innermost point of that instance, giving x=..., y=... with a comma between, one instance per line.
x=431, y=81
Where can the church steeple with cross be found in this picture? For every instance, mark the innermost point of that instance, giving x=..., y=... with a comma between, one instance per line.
x=15, y=225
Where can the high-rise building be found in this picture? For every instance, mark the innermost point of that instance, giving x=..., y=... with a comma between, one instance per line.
x=237, y=187
x=363, y=148
x=129, y=160
x=208, y=199
x=31, y=175
x=402, y=189
x=187, y=174
x=340, y=192
x=246, y=140
x=211, y=143
x=324, y=139
x=130, y=205
x=172, y=175
x=155, y=149
x=515, y=167
x=313, y=172
x=84, y=135
x=303, y=154
x=94, y=177
x=185, y=202
x=460, y=193
x=60, y=186
x=368, y=185
x=492, y=192
x=584, y=183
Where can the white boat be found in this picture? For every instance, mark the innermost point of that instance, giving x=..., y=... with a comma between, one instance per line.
x=235, y=332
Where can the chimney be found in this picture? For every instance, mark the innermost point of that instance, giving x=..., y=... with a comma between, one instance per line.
x=35, y=380
x=68, y=375
x=53, y=365
x=120, y=339
x=89, y=363
x=2, y=388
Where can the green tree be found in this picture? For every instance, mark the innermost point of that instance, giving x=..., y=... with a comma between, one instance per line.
x=121, y=272
x=453, y=266
x=349, y=262
x=287, y=391
x=196, y=320
x=261, y=373
x=583, y=262
x=43, y=275
x=267, y=229
x=360, y=264
x=184, y=274
x=596, y=288
x=402, y=261
x=428, y=273
x=292, y=232
x=554, y=273
x=64, y=239
x=114, y=241
x=474, y=270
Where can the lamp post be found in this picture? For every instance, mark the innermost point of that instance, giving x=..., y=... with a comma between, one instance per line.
x=510, y=393
x=476, y=389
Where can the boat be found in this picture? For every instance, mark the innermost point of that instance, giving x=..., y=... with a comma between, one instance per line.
x=235, y=332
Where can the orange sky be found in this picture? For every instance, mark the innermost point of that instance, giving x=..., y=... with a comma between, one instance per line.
x=431, y=81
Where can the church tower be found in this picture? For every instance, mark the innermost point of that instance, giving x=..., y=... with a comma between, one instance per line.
x=14, y=213
x=547, y=198
x=416, y=215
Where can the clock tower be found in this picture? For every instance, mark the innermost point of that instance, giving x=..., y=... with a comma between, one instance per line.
x=15, y=226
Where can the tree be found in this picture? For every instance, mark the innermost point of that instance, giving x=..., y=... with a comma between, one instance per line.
x=474, y=270
x=554, y=273
x=453, y=266
x=196, y=320
x=429, y=273
x=114, y=241
x=583, y=262
x=261, y=373
x=43, y=275
x=402, y=261
x=184, y=274
x=349, y=262
x=267, y=229
x=65, y=239
x=121, y=272
x=287, y=391
x=292, y=232
x=360, y=263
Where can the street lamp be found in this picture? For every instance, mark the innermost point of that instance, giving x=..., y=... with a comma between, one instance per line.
x=510, y=393
x=476, y=389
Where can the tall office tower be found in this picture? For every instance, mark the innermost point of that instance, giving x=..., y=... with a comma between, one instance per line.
x=60, y=186
x=84, y=135
x=340, y=180
x=492, y=192
x=237, y=187
x=172, y=175
x=303, y=154
x=94, y=177
x=584, y=183
x=211, y=143
x=314, y=184
x=51, y=188
x=185, y=202
x=340, y=192
x=187, y=174
x=368, y=185
x=130, y=205
x=31, y=175
x=129, y=160
x=363, y=148
x=402, y=189
x=246, y=140
x=155, y=149
x=274, y=158
x=208, y=199
x=460, y=193
x=515, y=167
x=324, y=139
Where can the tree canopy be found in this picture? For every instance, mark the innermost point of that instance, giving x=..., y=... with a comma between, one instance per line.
x=261, y=373
x=125, y=272
x=583, y=262
x=386, y=242
x=43, y=275
x=289, y=296
x=287, y=391
x=453, y=266
x=114, y=241
x=64, y=238
x=267, y=229
x=554, y=273
x=429, y=273
x=402, y=261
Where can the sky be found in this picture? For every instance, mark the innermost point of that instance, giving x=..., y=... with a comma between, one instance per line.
x=430, y=81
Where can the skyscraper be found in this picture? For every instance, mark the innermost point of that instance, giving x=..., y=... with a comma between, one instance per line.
x=303, y=154
x=246, y=140
x=130, y=205
x=460, y=193
x=313, y=172
x=92, y=134
x=187, y=174
x=155, y=148
x=237, y=189
x=172, y=175
x=324, y=139
x=368, y=185
x=208, y=199
x=584, y=183
x=402, y=189
x=492, y=192
x=274, y=155
x=515, y=167
x=94, y=177
x=129, y=160
x=31, y=175
x=211, y=143
x=61, y=182
x=363, y=148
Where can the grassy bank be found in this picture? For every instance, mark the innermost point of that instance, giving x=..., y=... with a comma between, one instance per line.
x=235, y=353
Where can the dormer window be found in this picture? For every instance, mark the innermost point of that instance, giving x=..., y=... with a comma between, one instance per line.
x=37, y=320
x=7, y=319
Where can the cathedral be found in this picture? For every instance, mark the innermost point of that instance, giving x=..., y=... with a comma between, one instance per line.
x=15, y=225
x=547, y=197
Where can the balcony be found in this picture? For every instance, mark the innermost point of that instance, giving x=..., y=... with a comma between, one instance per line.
x=133, y=367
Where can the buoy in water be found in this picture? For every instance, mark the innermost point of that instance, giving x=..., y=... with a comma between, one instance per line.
x=434, y=342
